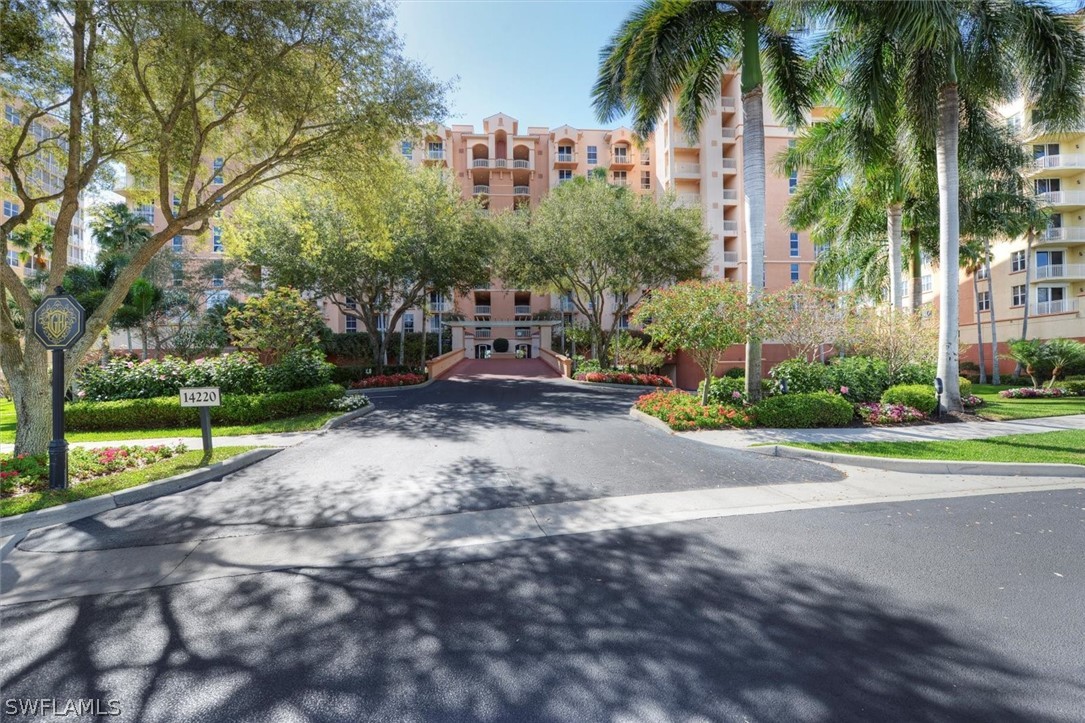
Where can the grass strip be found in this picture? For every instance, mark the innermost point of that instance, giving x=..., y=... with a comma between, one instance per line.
x=1065, y=447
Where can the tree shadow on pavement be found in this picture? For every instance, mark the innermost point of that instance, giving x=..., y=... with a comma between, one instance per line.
x=642, y=624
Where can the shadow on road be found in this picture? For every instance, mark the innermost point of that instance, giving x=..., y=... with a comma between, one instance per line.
x=644, y=624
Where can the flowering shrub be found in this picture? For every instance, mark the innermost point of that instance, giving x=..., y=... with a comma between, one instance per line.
x=122, y=378
x=30, y=473
x=971, y=401
x=616, y=377
x=350, y=402
x=683, y=412
x=1032, y=393
x=916, y=396
x=389, y=380
x=877, y=413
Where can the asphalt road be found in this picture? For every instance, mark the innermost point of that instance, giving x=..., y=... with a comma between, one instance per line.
x=941, y=610
x=455, y=446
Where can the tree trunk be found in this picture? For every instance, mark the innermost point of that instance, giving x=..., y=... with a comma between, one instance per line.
x=1028, y=291
x=707, y=384
x=949, y=246
x=31, y=391
x=423, y=337
x=753, y=181
x=979, y=329
x=402, y=342
x=896, y=270
x=995, y=376
x=917, y=270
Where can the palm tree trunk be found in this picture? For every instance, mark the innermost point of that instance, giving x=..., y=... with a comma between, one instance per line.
x=995, y=377
x=423, y=336
x=979, y=327
x=949, y=245
x=917, y=270
x=753, y=182
x=896, y=271
x=1028, y=289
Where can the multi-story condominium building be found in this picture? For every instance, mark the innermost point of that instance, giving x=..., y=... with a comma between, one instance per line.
x=46, y=177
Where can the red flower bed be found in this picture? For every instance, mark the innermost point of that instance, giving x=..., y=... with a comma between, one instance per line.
x=612, y=377
x=388, y=380
x=683, y=412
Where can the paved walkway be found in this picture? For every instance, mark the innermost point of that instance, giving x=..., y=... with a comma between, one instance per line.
x=739, y=438
x=482, y=369
x=281, y=439
x=35, y=575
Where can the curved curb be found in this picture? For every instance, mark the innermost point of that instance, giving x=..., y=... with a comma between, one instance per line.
x=614, y=385
x=649, y=420
x=72, y=511
x=353, y=392
x=926, y=466
x=344, y=418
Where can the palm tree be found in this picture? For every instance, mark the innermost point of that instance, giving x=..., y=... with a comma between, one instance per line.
x=942, y=62
x=678, y=50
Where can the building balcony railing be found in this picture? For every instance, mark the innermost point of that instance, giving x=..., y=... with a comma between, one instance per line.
x=1065, y=233
x=728, y=104
x=566, y=305
x=521, y=163
x=482, y=333
x=730, y=165
x=1063, y=306
x=688, y=169
x=1060, y=271
x=730, y=195
x=565, y=158
x=483, y=309
x=730, y=228
x=481, y=190
x=622, y=159
x=689, y=200
x=1062, y=160
x=433, y=155
x=439, y=307
x=728, y=134
x=730, y=257
x=501, y=163
x=522, y=309
x=480, y=163
x=523, y=333
x=521, y=190
x=1063, y=198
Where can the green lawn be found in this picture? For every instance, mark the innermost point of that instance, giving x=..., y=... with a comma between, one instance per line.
x=996, y=408
x=1067, y=447
x=303, y=423
x=112, y=483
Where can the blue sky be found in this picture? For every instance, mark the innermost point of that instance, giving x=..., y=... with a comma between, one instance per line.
x=491, y=44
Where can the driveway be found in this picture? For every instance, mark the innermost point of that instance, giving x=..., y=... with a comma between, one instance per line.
x=476, y=441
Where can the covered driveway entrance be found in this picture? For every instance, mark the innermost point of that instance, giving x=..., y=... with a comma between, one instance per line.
x=472, y=369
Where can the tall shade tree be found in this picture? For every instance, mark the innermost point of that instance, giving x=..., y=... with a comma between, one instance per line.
x=604, y=246
x=202, y=101
x=374, y=241
x=678, y=49
x=941, y=62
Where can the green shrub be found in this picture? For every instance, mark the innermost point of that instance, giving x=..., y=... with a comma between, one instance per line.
x=723, y=388
x=501, y=345
x=167, y=412
x=966, y=386
x=802, y=377
x=917, y=373
x=859, y=379
x=735, y=373
x=301, y=368
x=1075, y=388
x=816, y=409
x=917, y=396
x=122, y=378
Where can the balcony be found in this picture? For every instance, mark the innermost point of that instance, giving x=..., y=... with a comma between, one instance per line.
x=728, y=134
x=730, y=258
x=482, y=333
x=1063, y=306
x=1065, y=233
x=482, y=309
x=521, y=190
x=1060, y=271
x=728, y=104
x=523, y=333
x=520, y=163
x=566, y=305
x=689, y=200
x=730, y=228
x=482, y=190
x=620, y=158
x=1063, y=199
x=435, y=155
x=522, y=310
x=687, y=170
x=480, y=163
x=439, y=307
x=564, y=159
x=501, y=163
x=730, y=195
x=1071, y=162
x=730, y=165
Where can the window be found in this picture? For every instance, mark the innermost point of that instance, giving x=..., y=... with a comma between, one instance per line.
x=11, y=208
x=216, y=239
x=645, y=160
x=218, y=207
x=982, y=273
x=382, y=322
x=1049, y=258
x=218, y=280
x=178, y=243
x=1050, y=293
x=434, y=324
x=621, y=154
x=408, y=323
x=217, y=298
x=13, y=258
x=593, y=155
x=565, y=175
x=623, y=321
x=620, y=178
x=435, y=150
x=565, y=154
x=219, y=163
x=927, y=283
x=819, y=249
x=794, y=273
x=794, y=243
x=352, y=325
x=792, y=182
x=791, y=143
x=178, y=273
x=350, y=302
x=146, y=212
x=1018, y=261
x=1048, y=185
x=983, y=301
x=646, y=179
x=406, y=148
x=11, y=115
x=1042, y=150
x=1013, y=124
x=176, y=202
x=1018, y=295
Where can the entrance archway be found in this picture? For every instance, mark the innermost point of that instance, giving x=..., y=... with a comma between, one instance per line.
x=483, y=351
x=525, y=348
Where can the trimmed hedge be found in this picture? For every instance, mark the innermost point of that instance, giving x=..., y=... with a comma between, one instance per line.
x=817, y=409
x=917, y=396
x=167, y=412
x=723, y=388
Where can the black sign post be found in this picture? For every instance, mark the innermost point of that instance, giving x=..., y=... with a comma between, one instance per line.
x=59, y=322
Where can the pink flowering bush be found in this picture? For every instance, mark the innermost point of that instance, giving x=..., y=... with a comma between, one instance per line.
x=1032, y=393
x=971, y=400
x=616, y=377
x=684, y=412
x=882, y=414
x=30, y=473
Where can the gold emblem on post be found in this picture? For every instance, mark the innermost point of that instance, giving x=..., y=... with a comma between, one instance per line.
x=57, y=320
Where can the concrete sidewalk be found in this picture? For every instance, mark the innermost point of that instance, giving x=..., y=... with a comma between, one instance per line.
x=33, y=576
x=739, y=438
